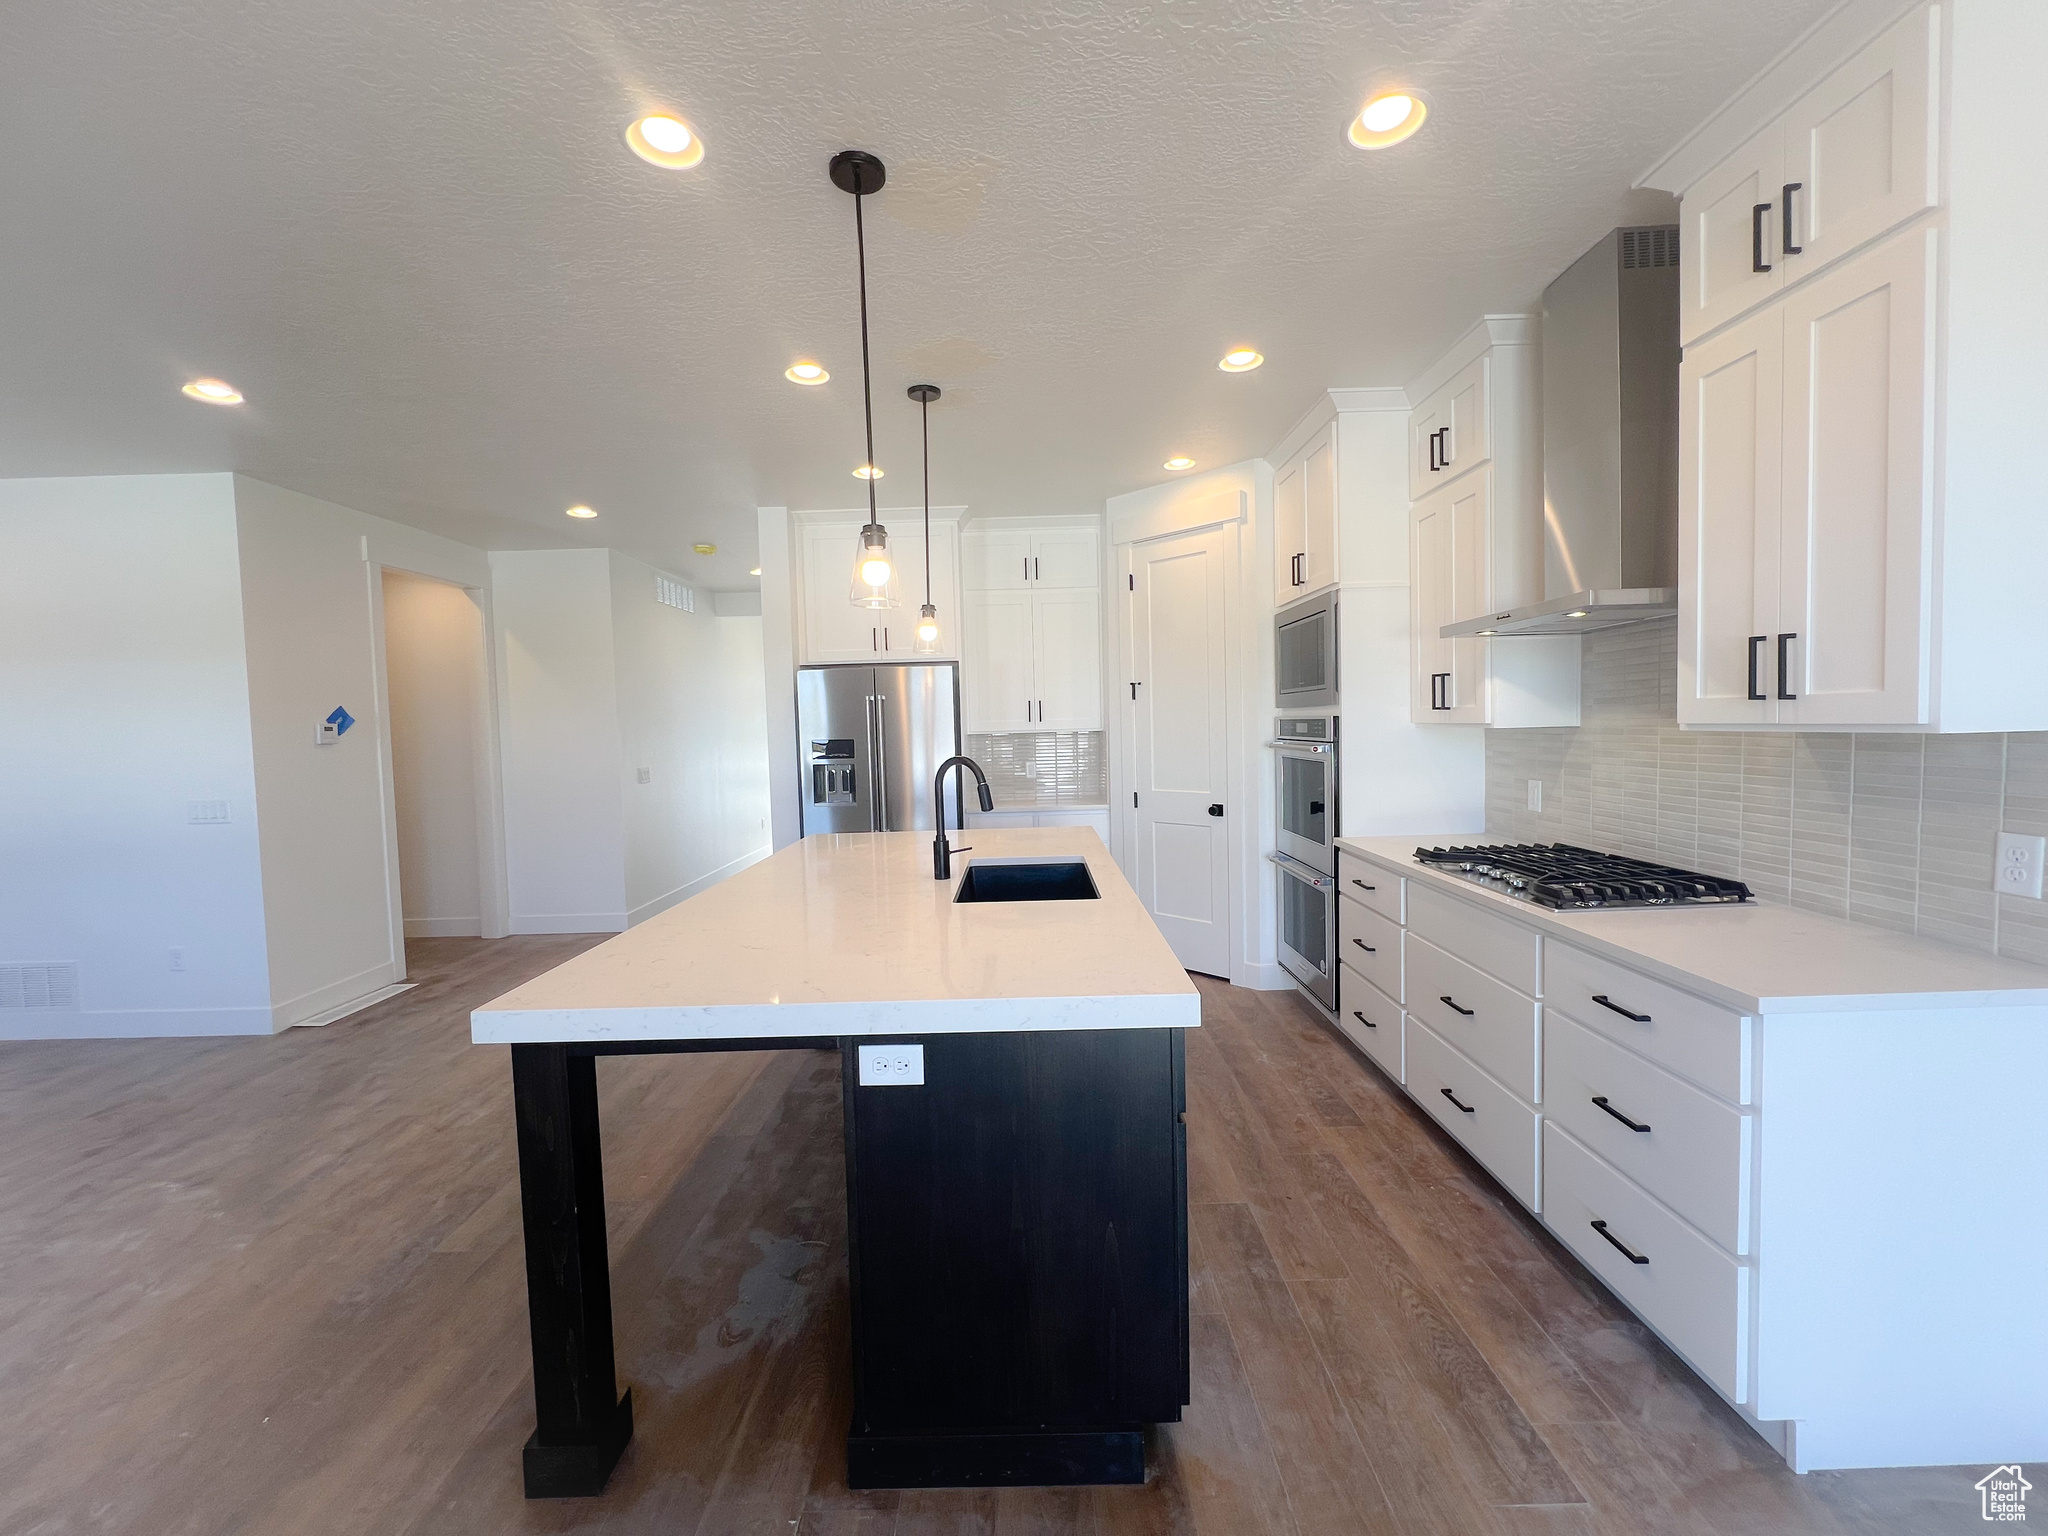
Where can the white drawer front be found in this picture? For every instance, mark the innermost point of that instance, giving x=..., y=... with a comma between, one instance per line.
x=1363, y=880
x=1371, y=945
x=1698, y=1040
x=1493, y=1024
x=1497, y=946
x=1372, y=1020
x=1493, y=1125
x=1694, y=1153
x=1689, y=1291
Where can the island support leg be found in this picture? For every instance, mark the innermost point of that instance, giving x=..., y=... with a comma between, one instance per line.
x=583, y=1426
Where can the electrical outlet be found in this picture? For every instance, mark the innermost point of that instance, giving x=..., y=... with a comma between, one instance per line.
x=2019, y=864
x=646, y=775
x=891, y=1066
x=177, y=959
x=1535, y=794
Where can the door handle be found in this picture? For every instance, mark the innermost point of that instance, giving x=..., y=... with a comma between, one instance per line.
x=1315, y=807
x=1600, y=1099
x=1789, y=247
x=1134, y=693
x=1755, y=641
x=1629, y=1253
x=1216, y=810
x=1468, y=1109
x=1783, y=642
x=1756, y=238
x=1445, y=999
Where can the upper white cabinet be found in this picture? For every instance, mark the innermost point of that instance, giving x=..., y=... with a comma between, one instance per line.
x=1032, y=632
x=1856, y=484
x=1305, y=520
x=834, y=630
x=1853, y=158
x=1475, y=541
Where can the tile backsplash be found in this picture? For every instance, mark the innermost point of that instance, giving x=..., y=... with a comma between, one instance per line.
x=1893, y=830
x=1030, y=768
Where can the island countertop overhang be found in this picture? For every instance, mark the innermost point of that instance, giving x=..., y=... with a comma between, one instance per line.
x=849, y=934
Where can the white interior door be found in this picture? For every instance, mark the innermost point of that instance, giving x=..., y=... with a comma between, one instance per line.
x=1181, y=736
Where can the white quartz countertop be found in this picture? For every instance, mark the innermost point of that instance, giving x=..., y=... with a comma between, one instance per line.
x=1756, y=957
x=849, y=934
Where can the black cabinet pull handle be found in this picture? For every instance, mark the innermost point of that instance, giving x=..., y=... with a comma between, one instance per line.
x=1601, y=999
x=1368, y=1023
x=1756, y=238
x=1790, y=248
x=1365, y=946
x=1601, y=1226
x=1634, y=1125
x=1363, y=886
x=1784, y=666
x=1454, y=1099
x=1446, y=998
x=1216, y=810
x=1432, y=452
x=1755, y=641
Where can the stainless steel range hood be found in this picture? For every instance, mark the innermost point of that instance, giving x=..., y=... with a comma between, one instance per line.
x=1610, y=442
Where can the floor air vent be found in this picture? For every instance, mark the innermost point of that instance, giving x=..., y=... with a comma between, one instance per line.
x=39, y=986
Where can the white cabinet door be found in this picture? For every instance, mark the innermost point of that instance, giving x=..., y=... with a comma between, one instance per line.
x=1067, y=650
x=1469, y=442
x=1319, y=514
x=835, y=630
x=1729, y=227
x=1430, y=583
x=1859, y=149
x=1730, y=453
x=1471, y=596
x=994, y=561
x=1290, y=528
x=1000, y=693
x=1425, y=457
x=1859, y=393
x=1065, y=559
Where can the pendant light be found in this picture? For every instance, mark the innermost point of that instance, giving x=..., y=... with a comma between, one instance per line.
x=874, y=570
x=927, y=641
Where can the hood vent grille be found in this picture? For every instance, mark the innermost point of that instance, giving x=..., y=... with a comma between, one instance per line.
x=1654, y=247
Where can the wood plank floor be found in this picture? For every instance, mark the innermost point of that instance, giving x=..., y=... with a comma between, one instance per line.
x=275, y=1286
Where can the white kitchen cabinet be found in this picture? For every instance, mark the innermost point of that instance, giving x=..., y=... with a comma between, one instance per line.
x=1032, y=642
x=1066, y=559
x=1305, y=520
x=1016, y=556
x=1451, y=432
x=999, y=682
x=834, y=630
x=1726, y=265
x=995, y=560
x=1066, y=632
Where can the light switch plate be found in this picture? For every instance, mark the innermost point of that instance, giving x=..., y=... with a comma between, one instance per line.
x=2019, y=864
x=891, y=1066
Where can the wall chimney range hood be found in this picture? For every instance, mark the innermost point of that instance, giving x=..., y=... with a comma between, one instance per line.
x=1610, y=443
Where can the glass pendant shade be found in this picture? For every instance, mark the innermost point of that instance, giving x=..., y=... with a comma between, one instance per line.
x=874, y=570
x=927, y=641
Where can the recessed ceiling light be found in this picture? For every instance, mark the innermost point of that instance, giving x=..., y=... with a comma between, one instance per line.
x=868, y=472
x=805, y=373
x=1387, y=119
x=214, y=392
x=705, y=549
x=666, y=141
x=1179, y=461
x=581, y=511
x=755, y=571
x=1241, y=360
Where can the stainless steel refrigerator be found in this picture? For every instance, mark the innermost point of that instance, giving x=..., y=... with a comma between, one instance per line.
x=869, y=740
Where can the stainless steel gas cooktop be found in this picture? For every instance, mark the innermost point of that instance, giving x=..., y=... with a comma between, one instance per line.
x=1565, y=878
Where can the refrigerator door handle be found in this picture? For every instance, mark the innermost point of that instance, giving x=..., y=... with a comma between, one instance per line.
x=879, y=755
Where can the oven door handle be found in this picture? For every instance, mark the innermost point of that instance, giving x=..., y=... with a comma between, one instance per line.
x=1302, y=872
x=1311, y=748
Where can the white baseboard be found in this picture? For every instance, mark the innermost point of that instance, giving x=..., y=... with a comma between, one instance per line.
x=444, y=927
x=647, y=909
x=325, y=999
x=1269, y=977
x=131, y=1023
x=568, y=922
x=348, y=1010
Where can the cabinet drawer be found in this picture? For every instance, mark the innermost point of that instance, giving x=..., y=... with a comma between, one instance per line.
x=1480, y=938
x=1493, y=1126
x=1371, y=1019
x=1370, y=945
x=1700, y=1041
x=1490, y=1022
x=1363, y=880
x=1693, y=1294
x=1694, y=1153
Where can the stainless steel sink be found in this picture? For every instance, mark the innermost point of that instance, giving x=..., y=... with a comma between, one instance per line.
x=1027, y=880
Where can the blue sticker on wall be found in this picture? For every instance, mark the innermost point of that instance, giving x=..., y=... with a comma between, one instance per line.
x=341, y=720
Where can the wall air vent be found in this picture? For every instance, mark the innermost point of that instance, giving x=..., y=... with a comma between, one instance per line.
x=675, y=594
x=1655, y=246
x=53, y=986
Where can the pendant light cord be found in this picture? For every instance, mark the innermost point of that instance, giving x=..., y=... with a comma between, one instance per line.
x=924, y=417
x=867, y=393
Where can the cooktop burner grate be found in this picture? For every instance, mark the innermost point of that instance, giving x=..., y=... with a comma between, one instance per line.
x=1560, y=876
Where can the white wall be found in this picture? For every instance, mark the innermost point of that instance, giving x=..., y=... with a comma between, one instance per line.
x=123, y=697
x=435, y=690
x=778, y=670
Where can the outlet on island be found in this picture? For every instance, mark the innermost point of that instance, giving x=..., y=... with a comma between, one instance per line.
x=892, y=1066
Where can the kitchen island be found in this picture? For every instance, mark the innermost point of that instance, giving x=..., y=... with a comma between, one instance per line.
x=1016, y=1153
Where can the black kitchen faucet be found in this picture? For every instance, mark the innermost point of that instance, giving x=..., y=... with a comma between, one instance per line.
x=942, y=855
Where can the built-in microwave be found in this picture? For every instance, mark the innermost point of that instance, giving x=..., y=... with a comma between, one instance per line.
x=1305, y=653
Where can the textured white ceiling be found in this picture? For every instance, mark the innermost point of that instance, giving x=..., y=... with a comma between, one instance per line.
x=411, y=234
